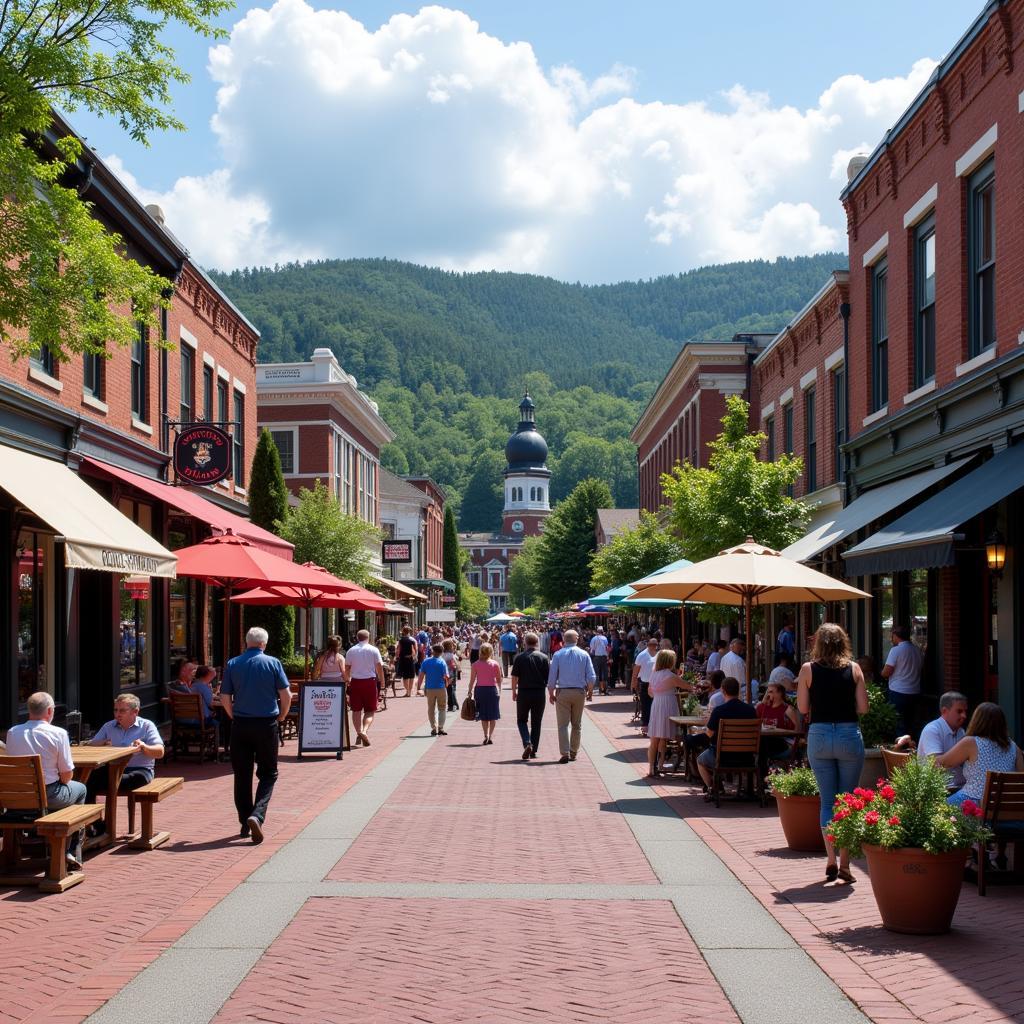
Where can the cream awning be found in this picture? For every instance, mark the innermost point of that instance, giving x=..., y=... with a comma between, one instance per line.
x=399, y=588
x=95, y=534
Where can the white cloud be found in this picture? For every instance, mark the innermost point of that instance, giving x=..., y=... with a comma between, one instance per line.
x=432, y=141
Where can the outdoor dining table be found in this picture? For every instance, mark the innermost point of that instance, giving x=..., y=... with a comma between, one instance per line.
x=87, y=758
x=685, y=721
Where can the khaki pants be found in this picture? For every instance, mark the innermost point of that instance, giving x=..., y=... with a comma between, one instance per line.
x=437, y=703
x=569, y=708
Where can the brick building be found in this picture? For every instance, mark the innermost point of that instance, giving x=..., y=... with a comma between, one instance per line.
x=94, y=607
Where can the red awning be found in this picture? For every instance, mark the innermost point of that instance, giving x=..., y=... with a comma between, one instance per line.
x=192, y=504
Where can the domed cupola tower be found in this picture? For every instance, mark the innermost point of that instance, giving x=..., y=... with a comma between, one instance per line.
x=527, y=477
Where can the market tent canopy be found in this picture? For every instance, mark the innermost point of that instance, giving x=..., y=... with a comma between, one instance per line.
x=872, y=505
x=431, y=581
x=398, y=588
x=924, y=538
x=500, y=617
x=95, y=534
x=195, y=505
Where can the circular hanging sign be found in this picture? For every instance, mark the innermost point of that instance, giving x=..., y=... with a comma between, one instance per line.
x=202, y=454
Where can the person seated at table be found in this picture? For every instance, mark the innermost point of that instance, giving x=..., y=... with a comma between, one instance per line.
x=775, y=711
x=197, y=680
x=731, y=707
x=783, y=672
x=127, y=729
x=987, y=747
x=184, y=677
x=40, y=736
x=715, y=696
x=942, y=734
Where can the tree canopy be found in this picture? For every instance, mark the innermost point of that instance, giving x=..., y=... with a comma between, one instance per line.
x=522, y=586
x=65, y=280
x=633, y=553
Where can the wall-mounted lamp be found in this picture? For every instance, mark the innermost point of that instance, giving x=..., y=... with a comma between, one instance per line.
x=995, y=552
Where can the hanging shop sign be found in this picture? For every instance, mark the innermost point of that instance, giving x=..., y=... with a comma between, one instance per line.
x=396, y=551
x=202, y=454
x=136, y=587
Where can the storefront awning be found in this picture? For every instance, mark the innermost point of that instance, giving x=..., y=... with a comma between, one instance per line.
x=865, y=509
x=195, y=505
x=95, y=534
x=394, y=608
x=432, y=582
x=924, y=538
x=398, y=588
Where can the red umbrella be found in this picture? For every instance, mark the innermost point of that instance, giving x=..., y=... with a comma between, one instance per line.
x=231, y=562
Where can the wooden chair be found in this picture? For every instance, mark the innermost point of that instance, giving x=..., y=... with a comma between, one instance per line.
x=189, y=727
x=894, y=759
x=1003, y=805
x=738, y=738
x=23, y=807
x=290, y=726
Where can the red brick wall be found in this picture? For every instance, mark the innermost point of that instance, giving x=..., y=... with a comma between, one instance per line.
x=981, y=90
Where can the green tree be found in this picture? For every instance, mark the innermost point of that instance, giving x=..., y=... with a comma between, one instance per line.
x=324, y=534
x=632, y=554
x=484, y=492
x=473, y=603
x=736, y=495
x=452, y=561
x=563, y=559
x=66, y=282
x=268, y=505
x=522, y=588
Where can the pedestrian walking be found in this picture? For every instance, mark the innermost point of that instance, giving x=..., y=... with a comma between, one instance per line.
x=570, y=683
x=451, y=658
x=643, y=669
x=664, y=704
x=405, y=669
x=485, y=689
x=529, y=686
x=364, y=674
x=599, y=655
x=830, y=687
x=509, y=643
x=433, y=677
x=256, y=697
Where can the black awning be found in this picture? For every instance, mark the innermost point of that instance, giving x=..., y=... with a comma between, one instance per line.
x=924, y=538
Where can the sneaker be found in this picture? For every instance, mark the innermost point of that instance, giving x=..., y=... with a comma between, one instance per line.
x=441, y=732
x=433, y=732
x=366, y=740
x=255, y=829
x=533, y=754
x=572, y=755
x=564, y=759
x=527, y=752
x=73, y=863
x=243, y=832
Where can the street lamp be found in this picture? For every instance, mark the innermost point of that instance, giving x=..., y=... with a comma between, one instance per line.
x=995, y=552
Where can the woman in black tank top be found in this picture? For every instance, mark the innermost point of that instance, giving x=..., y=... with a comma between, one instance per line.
x=831, y=689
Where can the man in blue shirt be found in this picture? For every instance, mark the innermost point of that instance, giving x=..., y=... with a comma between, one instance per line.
x=434, y=671
x=256, y=698
x=571, y=681
x=509, y=649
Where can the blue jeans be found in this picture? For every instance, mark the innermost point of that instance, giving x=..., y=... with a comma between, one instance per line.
x=836, y=756
x=905, y=705
x=67, y=794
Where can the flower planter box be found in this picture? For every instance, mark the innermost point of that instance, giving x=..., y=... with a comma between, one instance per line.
x=800, y=818
x=916, y=891
x=874, y=768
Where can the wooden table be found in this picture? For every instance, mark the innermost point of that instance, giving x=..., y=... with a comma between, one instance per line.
x=87, y=758
x=685, y=721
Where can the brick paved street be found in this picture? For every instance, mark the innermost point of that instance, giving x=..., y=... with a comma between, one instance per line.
x=438, y=880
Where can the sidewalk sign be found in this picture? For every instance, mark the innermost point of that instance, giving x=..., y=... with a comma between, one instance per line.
x=322, y=718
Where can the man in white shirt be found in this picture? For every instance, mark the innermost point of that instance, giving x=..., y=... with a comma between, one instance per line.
x=599, y=656
x=715, y=657
x=364, y=674
x=902, y=669
x=732, y=664
x=40, y=736
x=942, y=734
x=643, y=669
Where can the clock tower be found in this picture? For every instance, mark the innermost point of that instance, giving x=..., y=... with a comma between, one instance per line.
x=527, y=477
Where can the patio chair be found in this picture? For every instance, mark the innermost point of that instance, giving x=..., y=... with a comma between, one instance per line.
x=893, y=759
x=189, y=727
x=1003, y=805
x=290, y=726
x=738, y=740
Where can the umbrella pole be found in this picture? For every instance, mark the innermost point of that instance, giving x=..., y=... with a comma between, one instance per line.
x=751, y=647
x=309, y=626
x=227, y=626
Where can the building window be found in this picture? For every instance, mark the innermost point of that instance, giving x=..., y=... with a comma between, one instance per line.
x=474, y=579
x=787, y=436
x=42, y=359
x=208, y=393
x=879, y=335
x=238, y=440
x=285, y=441
x=769, y=429
x=924, y=302
x=222, y=401
x=92, y=374
x=810, y=432
x=839, y=433
x=188, y=370
x=140, y=373
x=981, y=259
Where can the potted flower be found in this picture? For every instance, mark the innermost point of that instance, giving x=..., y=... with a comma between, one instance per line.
x=796, y=793
x=689, y=705
x=915, y=843
x=877, y=726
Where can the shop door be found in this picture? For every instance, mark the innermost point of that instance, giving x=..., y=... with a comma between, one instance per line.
x=990, y=633
x=99, y=635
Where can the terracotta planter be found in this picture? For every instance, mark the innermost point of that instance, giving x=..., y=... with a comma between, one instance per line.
x=916, y=891
x=874, y=768
x=799, y=817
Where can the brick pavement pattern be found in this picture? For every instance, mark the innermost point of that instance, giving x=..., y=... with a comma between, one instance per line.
x=971, y=976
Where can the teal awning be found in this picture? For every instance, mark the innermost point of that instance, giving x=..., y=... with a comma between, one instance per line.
x=431, y=582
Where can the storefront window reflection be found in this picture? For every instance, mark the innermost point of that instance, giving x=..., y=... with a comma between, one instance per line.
x=136, y=658
x=918, y=605
x=31, y=615
x=885, y=610
x=181, y=602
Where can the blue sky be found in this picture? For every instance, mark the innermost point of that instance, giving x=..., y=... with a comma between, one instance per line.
x=471, y=152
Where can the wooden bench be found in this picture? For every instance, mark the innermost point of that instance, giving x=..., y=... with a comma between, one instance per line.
x=148, y=795
x=23, y=799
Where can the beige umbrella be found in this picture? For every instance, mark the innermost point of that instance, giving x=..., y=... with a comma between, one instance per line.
x=746, y=575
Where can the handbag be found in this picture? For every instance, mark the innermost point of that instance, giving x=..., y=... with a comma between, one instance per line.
x=468, y=712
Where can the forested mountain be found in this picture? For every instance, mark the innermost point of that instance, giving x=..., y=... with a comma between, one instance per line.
x=447, y=355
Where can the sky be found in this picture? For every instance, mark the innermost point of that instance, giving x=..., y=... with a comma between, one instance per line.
x=597, y=141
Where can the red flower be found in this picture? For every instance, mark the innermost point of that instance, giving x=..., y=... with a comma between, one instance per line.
x=871, y=818
x=968, y=807
x=880, y=783
x=978, y=812
x=857, y=805
x=831, y=838
x=894, y=820
x=888, y=793
x=868, y=795
x=839, y=815
x=850, y=799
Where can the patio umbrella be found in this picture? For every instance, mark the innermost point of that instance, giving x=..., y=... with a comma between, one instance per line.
x=231, y=562
x=746, y=575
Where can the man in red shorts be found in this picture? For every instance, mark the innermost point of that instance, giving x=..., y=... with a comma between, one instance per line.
x=364, y=669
